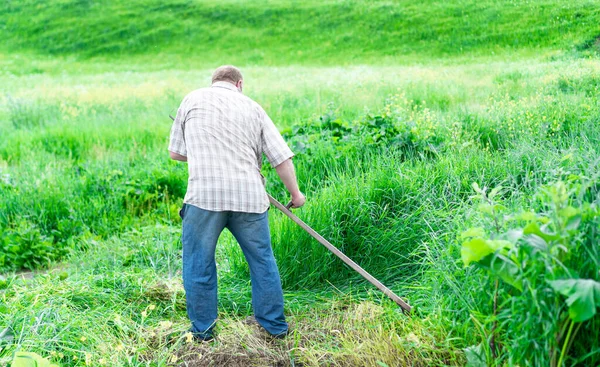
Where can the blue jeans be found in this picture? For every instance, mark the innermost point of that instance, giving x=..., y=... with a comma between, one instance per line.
x=201, y=229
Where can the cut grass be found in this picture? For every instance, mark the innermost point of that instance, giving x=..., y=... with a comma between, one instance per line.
x=123, y=298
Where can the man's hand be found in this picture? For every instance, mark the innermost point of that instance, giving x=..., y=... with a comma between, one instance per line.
x=298, y=200
x=177, y=157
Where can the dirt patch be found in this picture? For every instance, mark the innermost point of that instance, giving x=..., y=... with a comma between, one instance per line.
x=264, y=351
x=201, y=357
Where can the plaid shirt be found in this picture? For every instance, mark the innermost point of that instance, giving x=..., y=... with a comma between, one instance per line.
x=223, y=134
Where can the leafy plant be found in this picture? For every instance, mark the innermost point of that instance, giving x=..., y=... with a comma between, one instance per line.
x=537, y=257
x=26, y=247
x=583, y=297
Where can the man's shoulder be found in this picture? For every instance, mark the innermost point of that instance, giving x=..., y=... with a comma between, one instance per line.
x=249, y=103
x=200, y=94
x=254, y=104
x=197, y=93
x=196, y=96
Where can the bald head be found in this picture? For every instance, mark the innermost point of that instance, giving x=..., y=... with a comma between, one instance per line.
x=227, y=73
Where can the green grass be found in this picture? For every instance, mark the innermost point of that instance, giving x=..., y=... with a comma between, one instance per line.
x=183, y=33
x=393, y=110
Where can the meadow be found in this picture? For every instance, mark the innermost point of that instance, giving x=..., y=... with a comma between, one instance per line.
x=458, y=164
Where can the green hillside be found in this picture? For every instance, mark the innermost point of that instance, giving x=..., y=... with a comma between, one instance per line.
x=298, y=32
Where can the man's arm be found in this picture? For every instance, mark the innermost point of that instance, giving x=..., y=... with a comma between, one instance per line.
x=177, y=148
x=287, y=174
x=177, y=157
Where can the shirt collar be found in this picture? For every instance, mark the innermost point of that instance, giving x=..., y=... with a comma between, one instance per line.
x=225, y=85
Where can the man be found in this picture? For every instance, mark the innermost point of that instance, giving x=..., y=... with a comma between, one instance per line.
x=222, y=134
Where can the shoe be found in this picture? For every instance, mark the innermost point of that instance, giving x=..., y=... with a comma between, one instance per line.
x=188, y=337
x=281, y=335
x=200, y=337
x=251, y=320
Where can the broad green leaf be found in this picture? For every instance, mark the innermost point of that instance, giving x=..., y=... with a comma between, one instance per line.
x=473, y=232
x=478, y=248
x=506, y=270
x=536, y=242
x=474, y=250
x=498, y=244
x=534, y=228
x=583, y=297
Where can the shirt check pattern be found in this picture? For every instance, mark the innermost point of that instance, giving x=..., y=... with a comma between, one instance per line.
x=223, y=134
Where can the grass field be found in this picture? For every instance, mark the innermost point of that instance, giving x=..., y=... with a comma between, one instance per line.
x=452, y=149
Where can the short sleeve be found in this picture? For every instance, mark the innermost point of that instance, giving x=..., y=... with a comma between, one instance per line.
x=273, y=145
x=177, y=139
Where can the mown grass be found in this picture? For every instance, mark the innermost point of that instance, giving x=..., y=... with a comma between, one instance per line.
x=121, y=302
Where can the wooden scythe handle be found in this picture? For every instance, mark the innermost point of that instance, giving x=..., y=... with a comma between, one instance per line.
x=405, y=306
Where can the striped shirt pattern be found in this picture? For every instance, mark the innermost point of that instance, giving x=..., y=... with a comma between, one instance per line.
x=223, y=134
